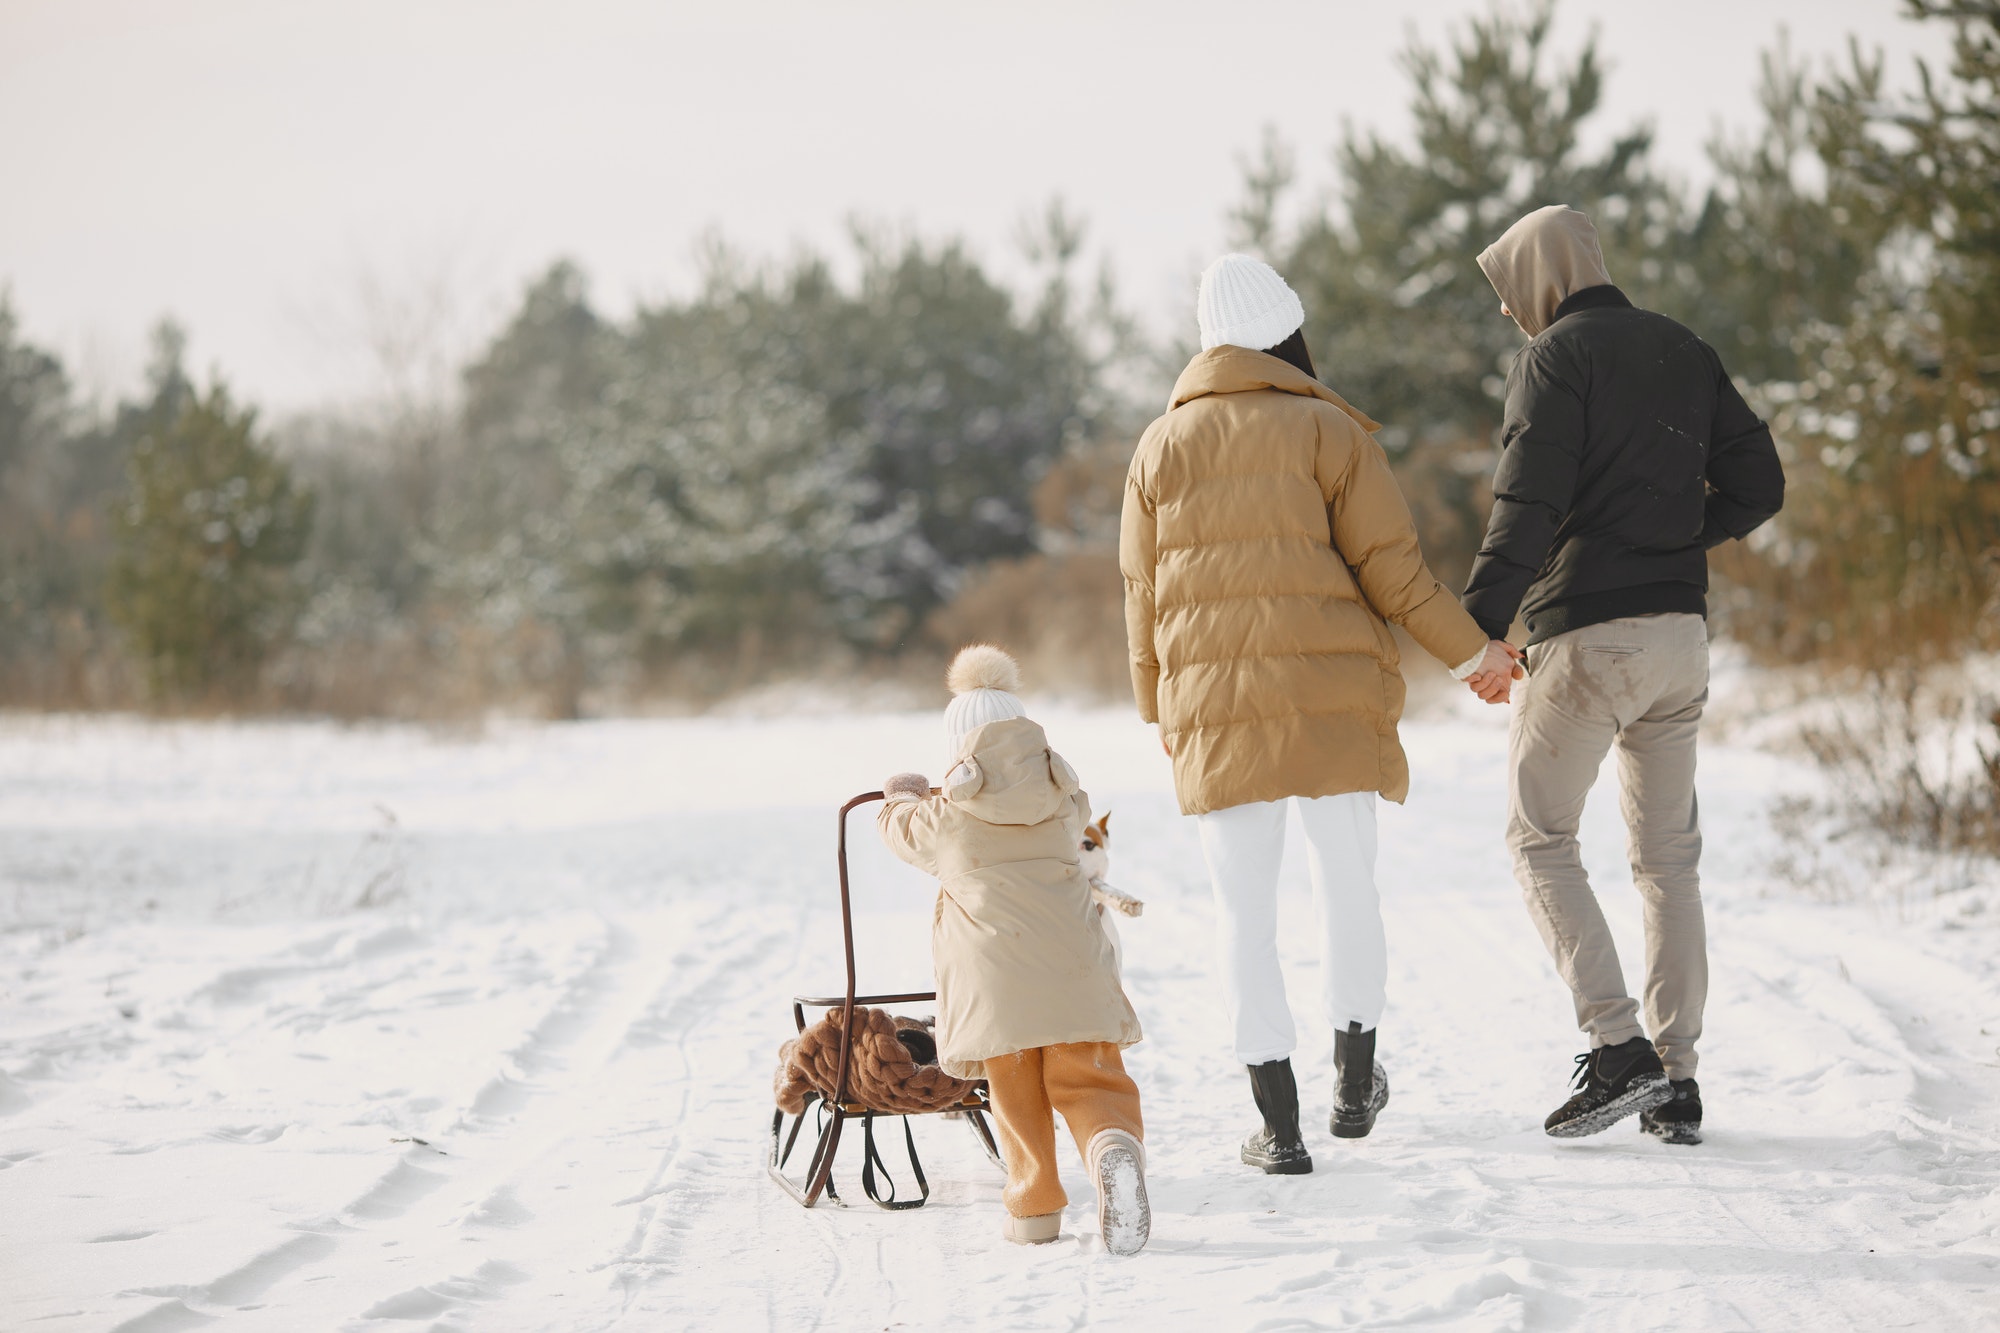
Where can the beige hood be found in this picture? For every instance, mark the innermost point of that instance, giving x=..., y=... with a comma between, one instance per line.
x=1229, y=369
x=1543, y=260
x=1007, y=774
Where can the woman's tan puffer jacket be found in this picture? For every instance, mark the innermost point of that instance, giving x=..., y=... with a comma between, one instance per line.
x=1264, y=545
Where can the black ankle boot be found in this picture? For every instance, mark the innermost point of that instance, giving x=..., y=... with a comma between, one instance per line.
x=1361, y=1089
x=1276, y=1149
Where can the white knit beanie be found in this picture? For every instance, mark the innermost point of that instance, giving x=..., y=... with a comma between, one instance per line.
x=982, y=680
x=1243, y=302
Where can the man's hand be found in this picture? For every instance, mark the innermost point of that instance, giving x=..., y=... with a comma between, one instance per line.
x=1493, y=680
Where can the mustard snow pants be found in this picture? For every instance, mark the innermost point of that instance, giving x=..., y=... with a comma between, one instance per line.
x=1085, y=1081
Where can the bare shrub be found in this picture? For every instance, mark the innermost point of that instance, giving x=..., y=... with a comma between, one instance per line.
x=1062, y=616
x=1917, y=758
x=381, y=863
x=1060, y=611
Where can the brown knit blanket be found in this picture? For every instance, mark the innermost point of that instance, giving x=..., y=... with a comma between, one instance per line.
x=892, y=1068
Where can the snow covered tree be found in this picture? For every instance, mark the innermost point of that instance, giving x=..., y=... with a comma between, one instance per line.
x=715, y=508
x=499, y=553
x=781, y=465
x=963, y=404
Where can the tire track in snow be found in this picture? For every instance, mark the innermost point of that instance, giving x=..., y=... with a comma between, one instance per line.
x=686, y=1180
x=710, y=1210
x=616, y=1087
x=547, y=1105
x=1869, y=1098
x=420, y=1172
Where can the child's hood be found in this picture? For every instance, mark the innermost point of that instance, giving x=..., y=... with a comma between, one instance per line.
x=1007, y=774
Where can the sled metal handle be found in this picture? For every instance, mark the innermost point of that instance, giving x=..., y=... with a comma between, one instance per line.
x=847, y=942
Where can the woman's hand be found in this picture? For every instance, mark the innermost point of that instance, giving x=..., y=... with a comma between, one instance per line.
x=1494, y=679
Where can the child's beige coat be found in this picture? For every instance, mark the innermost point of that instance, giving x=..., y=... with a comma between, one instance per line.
x=1021, y=957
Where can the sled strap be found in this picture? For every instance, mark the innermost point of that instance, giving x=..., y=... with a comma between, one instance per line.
x=798, y=1123
x=871, y=1161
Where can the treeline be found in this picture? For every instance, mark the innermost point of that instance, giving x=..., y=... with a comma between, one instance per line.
x=795, y=474
x=785, y=474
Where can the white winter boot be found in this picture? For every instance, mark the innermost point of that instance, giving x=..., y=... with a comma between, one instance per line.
x=1037, y=1230
x=1118, y=1165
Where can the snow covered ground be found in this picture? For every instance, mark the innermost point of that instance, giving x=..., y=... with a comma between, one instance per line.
x=307, y=1027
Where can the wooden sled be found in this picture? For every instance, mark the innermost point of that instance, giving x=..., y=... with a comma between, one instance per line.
x=832, y=1113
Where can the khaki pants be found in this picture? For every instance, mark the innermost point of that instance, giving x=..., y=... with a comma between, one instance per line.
x=1638, y=684
x=1087, y=1082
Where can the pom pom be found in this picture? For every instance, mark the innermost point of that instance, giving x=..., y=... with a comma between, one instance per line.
x=982, y=667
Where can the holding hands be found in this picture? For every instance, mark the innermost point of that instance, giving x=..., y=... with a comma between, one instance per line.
x=1493, y=679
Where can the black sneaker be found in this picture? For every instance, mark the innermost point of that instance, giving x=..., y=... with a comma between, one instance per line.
x=1361, y=1089
x=1677, y=1121
x=1276, y=1149
x=1612, y=1082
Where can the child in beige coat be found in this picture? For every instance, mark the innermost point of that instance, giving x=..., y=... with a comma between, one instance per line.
x=1028, y=992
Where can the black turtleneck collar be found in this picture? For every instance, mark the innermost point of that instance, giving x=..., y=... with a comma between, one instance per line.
x=1592, y=298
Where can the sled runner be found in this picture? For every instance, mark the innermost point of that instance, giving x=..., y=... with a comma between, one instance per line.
x=869, y=1064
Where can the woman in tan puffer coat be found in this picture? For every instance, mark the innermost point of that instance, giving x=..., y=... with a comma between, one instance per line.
x=1266, y=551
x=1027, y=989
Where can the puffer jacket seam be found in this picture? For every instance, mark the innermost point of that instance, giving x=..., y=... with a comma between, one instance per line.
x=1307, y=537
x=1292, y=473
x=1320, y=593
x=1274, y=717
x=1268, y=657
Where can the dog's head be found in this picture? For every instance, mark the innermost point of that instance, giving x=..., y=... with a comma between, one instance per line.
x=1095, y=854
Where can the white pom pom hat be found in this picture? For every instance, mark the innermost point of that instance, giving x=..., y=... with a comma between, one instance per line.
x=982, y=680
x=1243, y=302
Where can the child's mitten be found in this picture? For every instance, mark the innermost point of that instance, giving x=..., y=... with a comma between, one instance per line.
x=907, y=787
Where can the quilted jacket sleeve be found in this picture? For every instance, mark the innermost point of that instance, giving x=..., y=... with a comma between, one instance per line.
x=911, y=829
x=1138, y=558
x=1541, y=450
x=1375, y=535
x=1746, y=482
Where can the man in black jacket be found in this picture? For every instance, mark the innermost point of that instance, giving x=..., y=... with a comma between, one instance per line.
x=1626, y=454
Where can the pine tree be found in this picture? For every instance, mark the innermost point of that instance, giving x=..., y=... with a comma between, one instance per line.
x=209, y=530
x=1398, y=315
x=1787, y=234
x=1887, y=547
x=34, y=425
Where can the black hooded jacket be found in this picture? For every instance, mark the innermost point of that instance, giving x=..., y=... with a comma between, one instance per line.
x=1625, y=455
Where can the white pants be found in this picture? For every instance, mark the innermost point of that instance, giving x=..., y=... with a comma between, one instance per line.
x=1243, y=845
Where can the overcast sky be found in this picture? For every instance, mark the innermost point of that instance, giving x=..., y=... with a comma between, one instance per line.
x=270, y=173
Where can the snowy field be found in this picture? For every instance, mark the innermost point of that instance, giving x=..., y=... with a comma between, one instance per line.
x=304, y=1027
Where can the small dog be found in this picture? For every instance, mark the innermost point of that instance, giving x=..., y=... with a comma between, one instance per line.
x=1095, y=858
